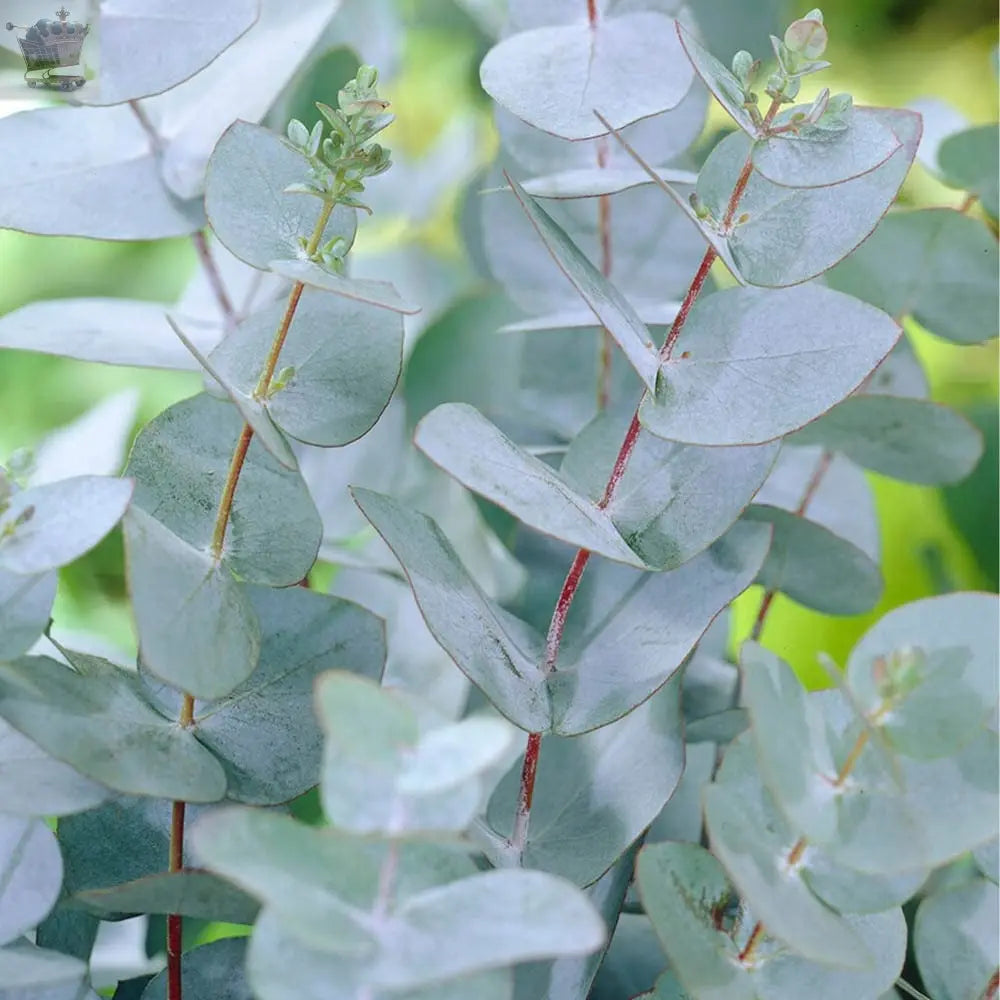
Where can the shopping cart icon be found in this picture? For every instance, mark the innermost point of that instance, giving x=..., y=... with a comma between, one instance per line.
x=51, y=45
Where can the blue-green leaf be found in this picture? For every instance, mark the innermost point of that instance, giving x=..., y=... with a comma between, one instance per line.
x=213, y=970
x=751, y=365
x=180, y=462
x=197, y=630
x=25, y=610
x=48, y=526
x=934, y=264
x=345, y=357
x=915, y=440
x=607, y=303
x=31, y=874
x=627, y=67
x=968, y=160
x=248, y=207
x=103, y=727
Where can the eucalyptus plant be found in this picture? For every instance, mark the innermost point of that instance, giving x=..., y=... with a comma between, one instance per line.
x=672, y=396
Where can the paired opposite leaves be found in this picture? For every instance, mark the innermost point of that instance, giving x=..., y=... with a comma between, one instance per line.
x=626, y=635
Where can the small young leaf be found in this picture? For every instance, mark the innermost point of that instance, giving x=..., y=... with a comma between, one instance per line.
x=934, y=264
x=910, y=439
x=30, y=875
x=723, y=84
x=607, y=303
x=751, y=365
x=197, y=630
x=628, y=66
x=103, y=727
x=247, y=206
x=49, y=526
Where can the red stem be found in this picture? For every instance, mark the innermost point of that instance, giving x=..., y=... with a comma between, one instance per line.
x=992, y=986
x=553, y=640
x=810, y=491
x=175, y=921
x=592, y=12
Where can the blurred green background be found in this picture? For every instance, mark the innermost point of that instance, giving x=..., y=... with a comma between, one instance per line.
x=883, y=51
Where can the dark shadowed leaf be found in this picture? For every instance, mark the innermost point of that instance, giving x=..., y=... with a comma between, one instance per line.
x=59, y=521
x=102, y=726
x=598, y=791
x=815, y=567
x=189, y=893
x=751, y=365
x=841, y=502
x=345, y=357
x=197, y=630
x=125, y=841
x=910, y=439
x=628, y=67
x=935, y=264
x=180, y=462
x=214, y=970
x=968, y=160
x=264, y=731
x=248, y=207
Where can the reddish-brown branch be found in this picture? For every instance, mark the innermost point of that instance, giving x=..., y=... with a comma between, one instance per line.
x=214, y=278
x=592, y=12
x=553, y=640
x=822, y=467
x=992, y=987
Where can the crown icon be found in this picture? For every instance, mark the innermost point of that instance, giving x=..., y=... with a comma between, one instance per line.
x=50, y=45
